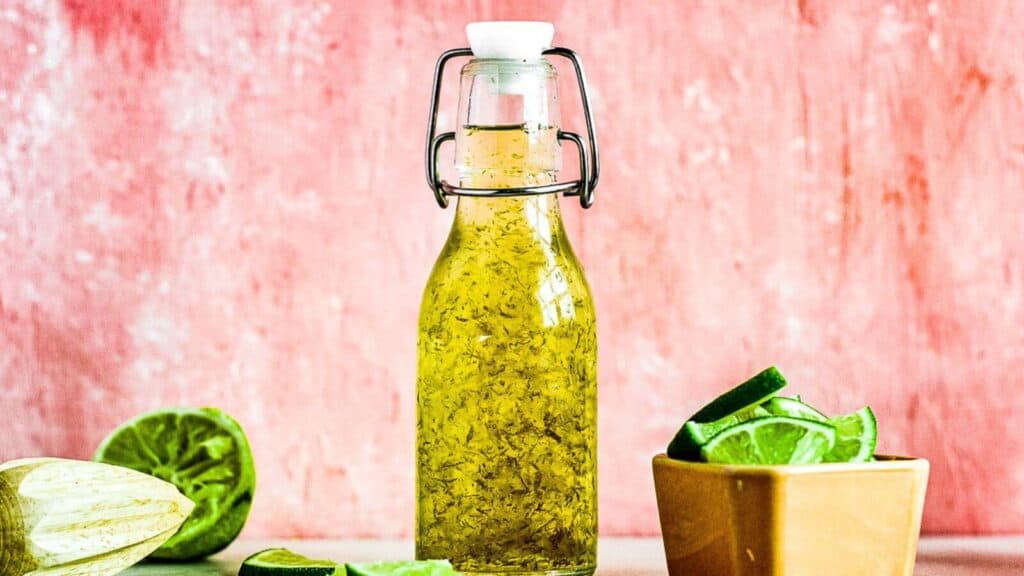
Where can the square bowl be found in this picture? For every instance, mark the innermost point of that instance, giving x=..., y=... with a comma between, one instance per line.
x=810, y=520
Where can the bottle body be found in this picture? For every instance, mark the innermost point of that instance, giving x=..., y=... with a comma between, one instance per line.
x=507, y=376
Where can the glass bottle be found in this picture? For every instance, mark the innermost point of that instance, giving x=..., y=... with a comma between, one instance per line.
x=507, y=359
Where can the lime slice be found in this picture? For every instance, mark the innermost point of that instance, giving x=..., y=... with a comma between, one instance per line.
x=279, y=561
x=203, y=452
x=782, y=406
x=756, y=390
x=747, y=395
x=416, y=568
x=771, y=440
x=856, y=437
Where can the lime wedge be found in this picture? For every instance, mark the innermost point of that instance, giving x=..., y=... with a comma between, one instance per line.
x=856, y=437
x=416, y=568
x=782, y=406
x=692, y=436
x=701, y=433
x=771, y=440
x=203, y=452
x=282, y=562
x=686, y=443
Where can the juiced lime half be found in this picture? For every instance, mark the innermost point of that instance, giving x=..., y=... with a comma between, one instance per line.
x=856, y=437
x=282, y=562
x=417, y=568
x=771, y=440
x=203, y=452
x=739, y=402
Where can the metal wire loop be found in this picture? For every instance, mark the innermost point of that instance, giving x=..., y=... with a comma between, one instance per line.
x=589, y=158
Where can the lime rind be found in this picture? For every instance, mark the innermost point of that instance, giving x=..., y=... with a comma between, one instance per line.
x=756, y=390
x=703, y=432
x=694, y=435
x=202, y=451
x=856, y=437
x=782, y=406
x=771, y=440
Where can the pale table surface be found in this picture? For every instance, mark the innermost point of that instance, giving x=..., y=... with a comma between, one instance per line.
x=988, y=556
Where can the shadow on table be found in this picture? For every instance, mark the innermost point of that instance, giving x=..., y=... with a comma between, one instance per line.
x=963, y=563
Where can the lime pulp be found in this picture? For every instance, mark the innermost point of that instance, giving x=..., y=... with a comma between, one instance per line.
x=771, y=440
x=856, y=437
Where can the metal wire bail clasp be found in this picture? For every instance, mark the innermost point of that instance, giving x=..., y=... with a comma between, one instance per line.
x=589, y=159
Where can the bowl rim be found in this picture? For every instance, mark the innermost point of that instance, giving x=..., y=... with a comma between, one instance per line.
x=885, y=463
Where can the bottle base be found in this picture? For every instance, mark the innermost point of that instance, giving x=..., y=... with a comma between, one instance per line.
x=581, y=571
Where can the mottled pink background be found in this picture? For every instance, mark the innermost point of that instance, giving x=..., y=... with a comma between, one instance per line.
x=222, y=203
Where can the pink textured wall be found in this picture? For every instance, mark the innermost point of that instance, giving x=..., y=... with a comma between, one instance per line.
x=222, y=203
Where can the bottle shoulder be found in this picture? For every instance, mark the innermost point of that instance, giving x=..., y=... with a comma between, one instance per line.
x=539, y=282
x=460, y=263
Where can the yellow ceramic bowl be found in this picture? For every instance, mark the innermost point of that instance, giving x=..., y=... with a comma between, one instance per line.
x=816, y=520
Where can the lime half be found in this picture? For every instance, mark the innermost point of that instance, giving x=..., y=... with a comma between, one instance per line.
x=688, y=440
x=782, y=406
x=856, y=437
x=771, y=440
x=203, y=452
x=282, y=562
x=415, y=568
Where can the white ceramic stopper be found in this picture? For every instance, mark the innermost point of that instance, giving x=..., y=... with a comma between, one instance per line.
x=516, y=40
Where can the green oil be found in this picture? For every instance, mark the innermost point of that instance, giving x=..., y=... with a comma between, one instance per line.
x=506, y=436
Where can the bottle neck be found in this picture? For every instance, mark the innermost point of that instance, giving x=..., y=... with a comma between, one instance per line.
x=515, y=221
x=507, y=137
x=509, y=156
